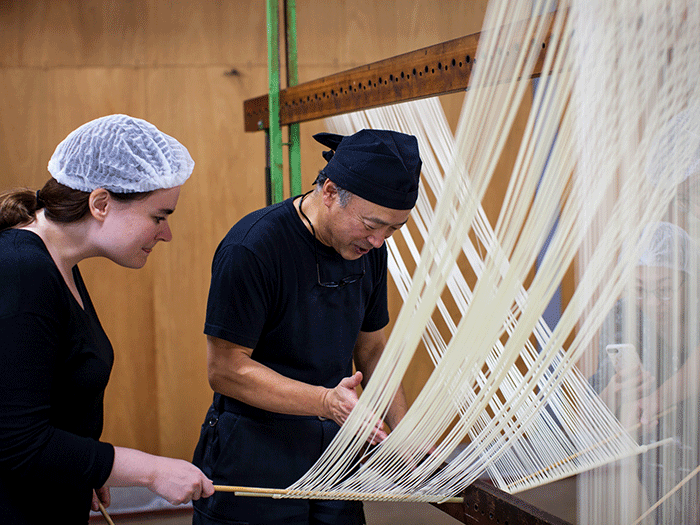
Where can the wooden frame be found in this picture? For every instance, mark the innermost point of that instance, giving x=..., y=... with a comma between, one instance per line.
x=484, y=504
x=435, y=70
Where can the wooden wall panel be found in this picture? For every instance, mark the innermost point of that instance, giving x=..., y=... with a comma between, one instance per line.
x=345, y=34
x=39, y=108
x=124, y=301
x=199, y=106
x=64, y=62
x=77, y=95
x=123, y=297
x=23, y=145
x=50, y=33
x=224, y=32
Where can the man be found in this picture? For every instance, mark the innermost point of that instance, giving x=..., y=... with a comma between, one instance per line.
x=299, y=292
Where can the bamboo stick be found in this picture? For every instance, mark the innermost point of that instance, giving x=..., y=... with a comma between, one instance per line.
x=104, y=512
x=279, y=493
x=596, y=445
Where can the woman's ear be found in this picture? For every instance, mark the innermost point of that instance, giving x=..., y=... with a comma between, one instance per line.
x=99, y=202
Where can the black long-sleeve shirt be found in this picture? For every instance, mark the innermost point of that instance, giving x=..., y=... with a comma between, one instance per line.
x=55, y=362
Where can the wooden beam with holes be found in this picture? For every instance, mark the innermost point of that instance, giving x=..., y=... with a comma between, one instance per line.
x=435, y=70
x=484, y=504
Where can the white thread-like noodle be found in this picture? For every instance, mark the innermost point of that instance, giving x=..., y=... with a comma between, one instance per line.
x=505, y=397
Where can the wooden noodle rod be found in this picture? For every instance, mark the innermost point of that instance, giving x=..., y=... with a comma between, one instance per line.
x=104, y=513
x=278, y=493
x=435, y=70
x=572, y=457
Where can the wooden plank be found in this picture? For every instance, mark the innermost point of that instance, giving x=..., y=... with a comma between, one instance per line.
x=484, y=504
x=41, y=33
x=436, y=70
x=198, y=107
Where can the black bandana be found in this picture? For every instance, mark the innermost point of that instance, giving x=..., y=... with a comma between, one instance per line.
x=380, y=166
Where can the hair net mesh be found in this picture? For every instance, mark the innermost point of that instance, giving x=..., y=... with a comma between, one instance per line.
x=675, y=153
x=668, y=247
x=122, y=154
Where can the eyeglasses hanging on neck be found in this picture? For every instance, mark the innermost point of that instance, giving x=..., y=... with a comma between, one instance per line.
x=342, y=282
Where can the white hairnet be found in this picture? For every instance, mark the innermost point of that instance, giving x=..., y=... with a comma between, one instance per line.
x=669, y=247
x=675, y=154
x=122, y=154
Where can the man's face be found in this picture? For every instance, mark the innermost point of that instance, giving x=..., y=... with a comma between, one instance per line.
x=354, y=229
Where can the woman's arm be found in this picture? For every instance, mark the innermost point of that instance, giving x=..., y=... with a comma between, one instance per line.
x=175, y=480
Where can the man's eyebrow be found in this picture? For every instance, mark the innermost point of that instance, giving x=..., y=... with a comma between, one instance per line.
x=166, y=211
x=383, y=223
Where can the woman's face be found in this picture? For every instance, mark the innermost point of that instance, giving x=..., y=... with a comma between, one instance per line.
x=658, y=290
x=131, y=229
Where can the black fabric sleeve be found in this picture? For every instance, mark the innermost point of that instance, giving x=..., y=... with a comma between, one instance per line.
x=34, y=316
x=377, y=313
x=240, y=296
x=30, y=448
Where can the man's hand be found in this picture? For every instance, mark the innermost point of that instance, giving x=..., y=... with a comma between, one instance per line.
x=339, y=402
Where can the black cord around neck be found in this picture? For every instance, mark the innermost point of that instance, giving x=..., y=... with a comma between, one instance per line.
x=313, y=232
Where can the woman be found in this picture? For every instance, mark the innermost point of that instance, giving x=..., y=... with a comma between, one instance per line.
x=114, y=182
x=650, y=382
x=658, y=337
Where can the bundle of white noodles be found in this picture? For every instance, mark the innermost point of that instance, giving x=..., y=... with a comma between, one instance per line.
x=610, y=146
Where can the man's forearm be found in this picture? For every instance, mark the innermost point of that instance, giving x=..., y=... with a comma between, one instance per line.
x=259, y=386
x=397, y=409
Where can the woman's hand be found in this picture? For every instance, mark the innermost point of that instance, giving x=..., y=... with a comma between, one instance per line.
x=179, y=481
x=100, y=495
x=174, y=480
x=627, y=386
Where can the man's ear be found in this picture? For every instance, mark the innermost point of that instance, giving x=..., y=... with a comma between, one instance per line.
x=329, y=192
x=99, y=202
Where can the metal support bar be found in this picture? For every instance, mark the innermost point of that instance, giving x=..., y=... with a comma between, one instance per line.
x=485, y=504
x=435, y=70
x=273, y=129
x=268, y=171
x=294, y=152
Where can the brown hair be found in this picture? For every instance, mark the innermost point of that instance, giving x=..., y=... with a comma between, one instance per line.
x=61, y=204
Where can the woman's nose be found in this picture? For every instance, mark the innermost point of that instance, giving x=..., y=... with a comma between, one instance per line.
x=166, y=234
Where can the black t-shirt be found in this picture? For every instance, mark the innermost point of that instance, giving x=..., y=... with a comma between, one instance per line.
x=55, y=362
x=265, y=295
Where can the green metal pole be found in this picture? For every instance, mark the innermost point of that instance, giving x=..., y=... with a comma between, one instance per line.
x=293, y=80
x=275, y=133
